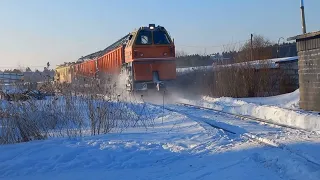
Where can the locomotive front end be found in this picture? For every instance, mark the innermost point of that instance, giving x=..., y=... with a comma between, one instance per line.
x=150, y=58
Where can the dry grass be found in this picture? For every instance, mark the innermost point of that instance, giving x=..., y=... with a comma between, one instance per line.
x=196, y=82
x=242, y=80
x=246, y=80
x=74, y=111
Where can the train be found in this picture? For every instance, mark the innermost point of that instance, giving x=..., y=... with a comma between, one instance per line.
x=146, y=56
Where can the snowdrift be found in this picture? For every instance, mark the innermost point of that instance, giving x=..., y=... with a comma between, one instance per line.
x=282, y=109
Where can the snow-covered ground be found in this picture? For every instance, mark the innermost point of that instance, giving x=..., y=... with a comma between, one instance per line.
x=183, y=143
x=281, y=109
x=290, y=100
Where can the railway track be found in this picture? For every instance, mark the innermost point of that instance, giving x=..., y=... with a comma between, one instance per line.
x=244, y=117
x=248, y=135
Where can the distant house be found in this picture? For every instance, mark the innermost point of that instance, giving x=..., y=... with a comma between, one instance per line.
x=262, y=77
x=38, y=76
x=219, y=59
x=9, y=78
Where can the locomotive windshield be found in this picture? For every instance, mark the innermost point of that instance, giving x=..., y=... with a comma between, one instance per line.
x=160, y=37
x=148, y=37
x=144, y=38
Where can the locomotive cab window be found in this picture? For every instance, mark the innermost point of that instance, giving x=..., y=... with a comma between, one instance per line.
x=161, y=37
x=131, y=40
x=144, y=38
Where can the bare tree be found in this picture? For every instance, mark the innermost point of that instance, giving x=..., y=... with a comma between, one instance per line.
x=28, y=69
x=180, y=53
x=261, y=49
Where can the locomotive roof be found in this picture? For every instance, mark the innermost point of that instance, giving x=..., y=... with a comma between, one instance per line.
x=118, y=43
x=107, y=49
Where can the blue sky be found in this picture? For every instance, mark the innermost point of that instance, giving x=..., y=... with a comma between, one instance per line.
x=34, y=32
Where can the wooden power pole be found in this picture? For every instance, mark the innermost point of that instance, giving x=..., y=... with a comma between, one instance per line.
x=303, y=20
x=251, y=47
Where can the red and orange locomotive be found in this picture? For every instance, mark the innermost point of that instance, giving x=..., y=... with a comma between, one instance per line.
x=146, y=56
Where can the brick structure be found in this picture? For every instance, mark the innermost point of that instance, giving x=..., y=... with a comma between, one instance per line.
x=308, y=47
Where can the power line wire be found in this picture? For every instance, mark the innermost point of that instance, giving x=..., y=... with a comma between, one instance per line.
x=20, y=66
x=221, y=45
x=238, y=42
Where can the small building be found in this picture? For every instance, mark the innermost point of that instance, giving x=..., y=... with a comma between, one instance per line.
x=9, y=78
x=308, y=47
x=268, y=77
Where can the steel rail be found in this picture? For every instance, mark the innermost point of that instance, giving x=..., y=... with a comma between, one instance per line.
x=245, y=117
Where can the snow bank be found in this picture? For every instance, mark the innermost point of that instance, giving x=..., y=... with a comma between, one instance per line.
x=191, y=69
x=271, y=63
x=278, y=109
x=290, y=100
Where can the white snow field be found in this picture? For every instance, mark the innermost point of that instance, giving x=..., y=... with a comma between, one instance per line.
x=184, y=143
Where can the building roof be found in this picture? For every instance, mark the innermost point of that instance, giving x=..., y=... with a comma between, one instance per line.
x=266, y=63
x=286, y=59
x=303, y=36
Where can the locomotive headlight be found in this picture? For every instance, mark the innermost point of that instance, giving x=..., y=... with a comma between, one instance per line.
x=151, y=26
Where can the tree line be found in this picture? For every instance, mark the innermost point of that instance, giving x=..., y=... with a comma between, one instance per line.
x=261, y=48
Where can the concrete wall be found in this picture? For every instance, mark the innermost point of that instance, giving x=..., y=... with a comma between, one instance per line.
x=290, y=76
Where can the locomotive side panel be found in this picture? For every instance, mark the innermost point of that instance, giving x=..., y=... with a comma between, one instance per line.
x=88, y=68
x=111, y=61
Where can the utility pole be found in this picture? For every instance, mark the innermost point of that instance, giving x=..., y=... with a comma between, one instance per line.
x=251, y=47
x=278, y=46
x=303, y=20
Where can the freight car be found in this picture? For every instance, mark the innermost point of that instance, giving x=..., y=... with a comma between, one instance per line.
x=62, y=73
x=145, y=56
